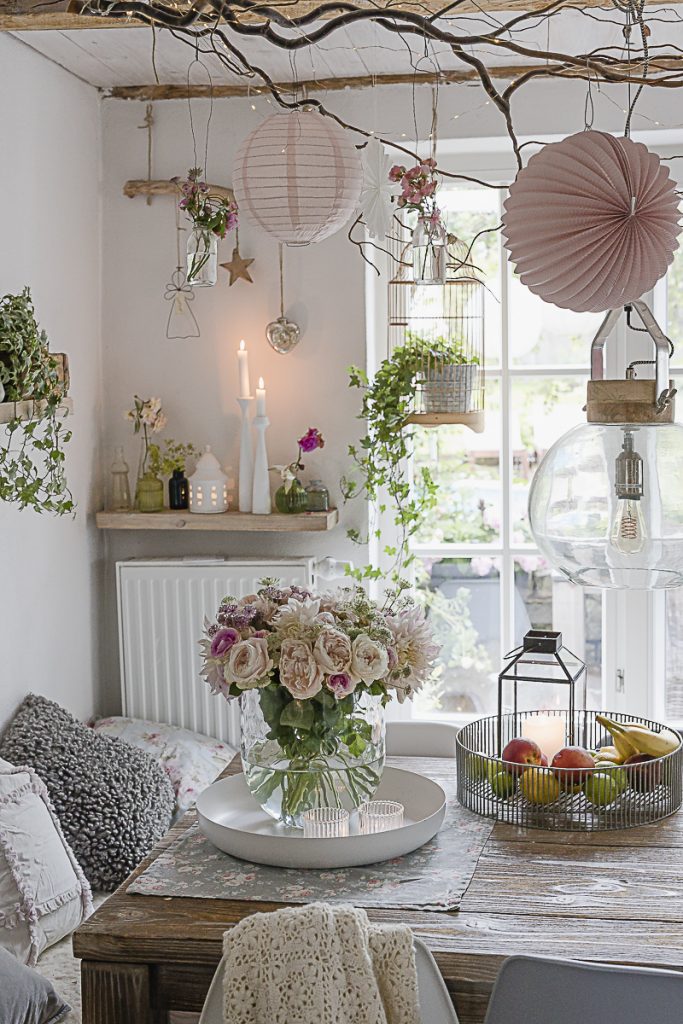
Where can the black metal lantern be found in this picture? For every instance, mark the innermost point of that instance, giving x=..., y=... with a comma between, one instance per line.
x=542, y=658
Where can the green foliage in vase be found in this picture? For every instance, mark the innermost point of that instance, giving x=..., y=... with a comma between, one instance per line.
x=174, y=455
x=32, y=471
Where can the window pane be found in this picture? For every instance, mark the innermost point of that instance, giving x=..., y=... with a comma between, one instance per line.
x=543, y=409
x=674, y=654
x=545, y=600
x=674, y=313
x=544, y=335
x=466, y=467
x=461, y=596
x=467, y=212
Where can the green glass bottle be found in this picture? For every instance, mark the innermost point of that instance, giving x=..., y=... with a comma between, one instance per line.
x=293, y=500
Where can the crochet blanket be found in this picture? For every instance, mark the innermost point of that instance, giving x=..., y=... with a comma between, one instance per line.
x=319, y=964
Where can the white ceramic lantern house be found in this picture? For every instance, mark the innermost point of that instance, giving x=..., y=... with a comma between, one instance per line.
x=208, y=485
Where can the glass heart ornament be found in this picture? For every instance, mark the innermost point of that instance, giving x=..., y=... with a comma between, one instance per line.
x=283, y=334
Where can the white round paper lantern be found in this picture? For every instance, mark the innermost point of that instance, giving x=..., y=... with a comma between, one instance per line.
x=208, y=485
x=298, y=177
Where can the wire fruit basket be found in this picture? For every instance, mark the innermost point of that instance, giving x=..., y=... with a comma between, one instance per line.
x=565, y=799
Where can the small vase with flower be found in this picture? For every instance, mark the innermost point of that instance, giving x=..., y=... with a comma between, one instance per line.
x=291, y=496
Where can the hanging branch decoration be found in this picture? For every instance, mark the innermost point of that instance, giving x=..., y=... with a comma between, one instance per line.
x=237, y=266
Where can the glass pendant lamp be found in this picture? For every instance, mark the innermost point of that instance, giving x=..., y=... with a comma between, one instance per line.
x=606, y=502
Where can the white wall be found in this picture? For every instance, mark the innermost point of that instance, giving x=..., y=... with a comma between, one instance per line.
x=49, y=224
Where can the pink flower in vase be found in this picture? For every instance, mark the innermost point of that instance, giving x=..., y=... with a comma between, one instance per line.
x=223, y=640
x=341, y=684
x=311, y=440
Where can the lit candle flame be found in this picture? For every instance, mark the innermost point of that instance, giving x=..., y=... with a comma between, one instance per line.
x=242, y=345
x=260, y=382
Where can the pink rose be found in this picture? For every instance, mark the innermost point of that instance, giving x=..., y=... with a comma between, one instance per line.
x=369, y=660
x=299, y=671
x=332, y=651
x=249, y=664
x=311, y=440
x=223, y=641
x=341, y=684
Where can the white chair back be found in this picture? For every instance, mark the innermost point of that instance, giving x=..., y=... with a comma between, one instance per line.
x=421, y=739
x=435, y=1003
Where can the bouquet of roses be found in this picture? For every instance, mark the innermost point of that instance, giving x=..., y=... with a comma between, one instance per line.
x=314, y=660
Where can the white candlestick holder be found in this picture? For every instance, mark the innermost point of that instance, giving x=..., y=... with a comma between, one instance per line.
x=261, y=501
x=246, y=471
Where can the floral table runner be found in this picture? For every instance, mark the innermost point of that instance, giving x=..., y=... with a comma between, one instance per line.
x=435, y=877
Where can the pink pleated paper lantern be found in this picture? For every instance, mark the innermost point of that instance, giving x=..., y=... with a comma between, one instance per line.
x=591, y=223
x=298, y=176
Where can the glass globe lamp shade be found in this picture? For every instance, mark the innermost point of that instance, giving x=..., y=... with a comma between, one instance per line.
x=606, y=506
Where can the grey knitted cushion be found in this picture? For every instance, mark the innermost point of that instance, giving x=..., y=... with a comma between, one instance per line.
x=113, y=801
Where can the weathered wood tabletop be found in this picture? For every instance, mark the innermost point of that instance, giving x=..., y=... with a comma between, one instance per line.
x=607, y=896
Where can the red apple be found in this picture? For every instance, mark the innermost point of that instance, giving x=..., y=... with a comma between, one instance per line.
x=522, y=751
x=643, y=778
x=569, y=758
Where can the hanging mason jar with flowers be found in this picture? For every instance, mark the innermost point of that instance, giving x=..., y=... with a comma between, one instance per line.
x=291, y=496
x=148, y=418
x=212, y=217
x=430, y=240
x=313, y=675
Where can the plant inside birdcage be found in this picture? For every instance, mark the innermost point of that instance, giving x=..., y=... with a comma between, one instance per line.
x=446, y=373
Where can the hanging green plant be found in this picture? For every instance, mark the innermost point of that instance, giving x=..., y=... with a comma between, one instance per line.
x=382, y=458
x=32, y=448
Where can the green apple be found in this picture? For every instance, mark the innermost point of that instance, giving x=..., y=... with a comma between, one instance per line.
x=503, y=785
x=601, y=788
x=616, y=773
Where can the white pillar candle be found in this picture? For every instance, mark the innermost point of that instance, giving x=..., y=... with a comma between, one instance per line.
x=546, y=730
x=243, y=363
x=260, y=398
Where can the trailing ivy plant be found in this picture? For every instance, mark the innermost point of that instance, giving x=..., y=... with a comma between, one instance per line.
x=31, y=449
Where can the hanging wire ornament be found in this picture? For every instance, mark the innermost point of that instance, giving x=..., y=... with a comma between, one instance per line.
x=283, y=334
x=182, y=323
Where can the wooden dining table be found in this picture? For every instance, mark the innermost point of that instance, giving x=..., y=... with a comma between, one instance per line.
x=608, y=897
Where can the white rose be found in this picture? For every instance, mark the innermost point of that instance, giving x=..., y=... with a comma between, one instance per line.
x=299, y=671
x=332, y=651
x=369, y=660
x=249, y=663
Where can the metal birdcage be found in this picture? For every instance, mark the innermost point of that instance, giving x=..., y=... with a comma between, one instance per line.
x=442, y=326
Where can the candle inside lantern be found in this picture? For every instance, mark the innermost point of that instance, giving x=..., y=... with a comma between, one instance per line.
x=260, y=398
x=243, y=363
x=546, y=730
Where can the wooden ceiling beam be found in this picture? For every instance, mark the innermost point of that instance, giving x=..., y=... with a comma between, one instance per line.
x=64, y=15
x=152, y=93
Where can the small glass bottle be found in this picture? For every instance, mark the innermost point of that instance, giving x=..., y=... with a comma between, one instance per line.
x=430, y=252
x=178, y=490
x=202, y=258
x=120, y=483
x=318, y=497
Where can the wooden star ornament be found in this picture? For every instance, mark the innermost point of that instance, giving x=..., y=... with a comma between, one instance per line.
x=238, y=267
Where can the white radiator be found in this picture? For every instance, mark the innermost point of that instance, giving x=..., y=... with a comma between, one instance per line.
x=161, y=608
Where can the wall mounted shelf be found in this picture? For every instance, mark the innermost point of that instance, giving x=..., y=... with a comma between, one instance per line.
x=27, y=410
x=238, y=522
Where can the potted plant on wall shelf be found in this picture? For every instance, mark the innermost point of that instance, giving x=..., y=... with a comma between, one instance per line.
x=32, y=448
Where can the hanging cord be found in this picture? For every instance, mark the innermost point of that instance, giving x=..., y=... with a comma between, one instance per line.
x=147, y=126
x=634, y=16
x=208, y=120
x=282, y=283
x=589, y=105
x=630, y=369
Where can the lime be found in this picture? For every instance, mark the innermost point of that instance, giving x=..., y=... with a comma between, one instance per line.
x=602, y=788
x=616, y=773
x=539, y=786
x=503, y=785
x=478, y=765
x=495, y=767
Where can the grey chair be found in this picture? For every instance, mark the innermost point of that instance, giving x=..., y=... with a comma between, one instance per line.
x=421, y=739
x=435, y=1003
x=540, y=990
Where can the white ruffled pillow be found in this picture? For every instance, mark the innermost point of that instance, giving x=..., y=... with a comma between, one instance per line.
x=191, y=759
x=43, y=892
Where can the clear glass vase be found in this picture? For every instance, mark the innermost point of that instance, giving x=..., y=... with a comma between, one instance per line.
x=331, y=755
x=430, y=252
x=202, y=258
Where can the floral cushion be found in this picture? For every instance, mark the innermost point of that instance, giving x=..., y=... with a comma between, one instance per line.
x=191, y=760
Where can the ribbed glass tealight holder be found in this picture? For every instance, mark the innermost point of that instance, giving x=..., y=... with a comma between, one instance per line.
x=326, y=823
x=380, y=816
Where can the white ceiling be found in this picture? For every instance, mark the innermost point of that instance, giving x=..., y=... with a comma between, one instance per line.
x=123, y=56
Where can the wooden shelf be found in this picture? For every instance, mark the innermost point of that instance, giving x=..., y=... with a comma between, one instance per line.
x=27, y=410
x=239, y=522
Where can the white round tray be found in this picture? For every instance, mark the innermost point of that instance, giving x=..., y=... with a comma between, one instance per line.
x=233, y=821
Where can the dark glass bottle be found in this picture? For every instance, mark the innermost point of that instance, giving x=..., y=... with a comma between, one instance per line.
x=178, y=490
